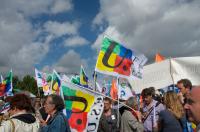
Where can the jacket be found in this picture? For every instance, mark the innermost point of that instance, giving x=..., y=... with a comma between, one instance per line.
x=57, y=123
x=129, y=123
x=20, y=123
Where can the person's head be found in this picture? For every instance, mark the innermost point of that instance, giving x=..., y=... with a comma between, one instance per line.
x=53, y=104
x=184, y=85
x=107, y=104
x=132, y=102
x=192, y=105
x=148, y=94
x=20, y=102
x=172, y=102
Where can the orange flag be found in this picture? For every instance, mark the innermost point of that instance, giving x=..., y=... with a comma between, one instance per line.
x=114, y=90
x=159, y=57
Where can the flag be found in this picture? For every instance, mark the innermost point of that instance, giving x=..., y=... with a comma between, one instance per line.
x=159, y=57
x=83, y=78
x=106, y=87
x=6, y=86
x=8, y=81
x=75, y=80
x=39, y=78
x=5, y=107
x=124, y=91
x=1, y=78
x=2, y=89
x=43, y=80
x=114, y=90
x=114, y=59
x=83, y=107
x=137, y=67
x=56, y=83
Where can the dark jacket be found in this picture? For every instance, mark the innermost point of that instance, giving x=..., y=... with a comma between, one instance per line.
x=110, y=123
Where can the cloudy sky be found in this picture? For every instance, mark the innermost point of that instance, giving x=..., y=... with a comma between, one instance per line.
x=63, y=34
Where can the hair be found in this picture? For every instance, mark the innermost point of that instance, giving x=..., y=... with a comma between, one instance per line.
x=132, y=102
x=172, y=102
x=57, y=101
x=21, y=102
x=186, y=83
x=108, y=99
x=148, y=92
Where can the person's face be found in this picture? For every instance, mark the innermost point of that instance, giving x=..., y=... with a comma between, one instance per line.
x=192, y=106
x=183, y=89
x=49, y=106
x=147, y=99
x=107, y=105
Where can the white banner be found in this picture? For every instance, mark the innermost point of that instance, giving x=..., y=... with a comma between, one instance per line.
x=167, y=72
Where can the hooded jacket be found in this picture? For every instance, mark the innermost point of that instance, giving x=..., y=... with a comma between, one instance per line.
x=21, y=122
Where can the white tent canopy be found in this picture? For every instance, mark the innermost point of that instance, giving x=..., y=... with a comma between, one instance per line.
x=167, y=72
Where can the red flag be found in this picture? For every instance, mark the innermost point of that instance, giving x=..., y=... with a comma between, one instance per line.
x=114, y=90
x=159, y=57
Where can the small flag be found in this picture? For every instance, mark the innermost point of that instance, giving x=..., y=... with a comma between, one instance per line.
x=125, y=91
x=1, y=78
x=56, y=83
x=83, y=78
x=6, y=86
x=159, y=57
x=114, y=90
x=43, y=80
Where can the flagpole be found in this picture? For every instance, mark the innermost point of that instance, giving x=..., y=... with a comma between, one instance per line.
x=95, y=80
x=119, y=92
x=51, y=84
x=171, y=74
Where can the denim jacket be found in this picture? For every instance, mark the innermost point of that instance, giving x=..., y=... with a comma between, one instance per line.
x=58, y=123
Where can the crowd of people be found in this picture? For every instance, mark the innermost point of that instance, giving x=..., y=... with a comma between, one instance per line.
x=172, y=112
x=23, y=117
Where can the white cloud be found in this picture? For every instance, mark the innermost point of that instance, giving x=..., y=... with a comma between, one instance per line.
x=69, y=63
x=26, y=57
x=154, y=26
x=61, y=5
x=35, y=7
x=75, y=41
x=60, y=29
x=110, y=32
x=19, y=49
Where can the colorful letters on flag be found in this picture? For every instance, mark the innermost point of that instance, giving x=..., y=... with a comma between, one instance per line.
x=115, y=59
x=83, y=78
x=83, y=107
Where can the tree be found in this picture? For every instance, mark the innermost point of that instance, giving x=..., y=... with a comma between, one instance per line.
x=28, y=83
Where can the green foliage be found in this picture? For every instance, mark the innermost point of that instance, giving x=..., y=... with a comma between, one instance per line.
x=28, y=83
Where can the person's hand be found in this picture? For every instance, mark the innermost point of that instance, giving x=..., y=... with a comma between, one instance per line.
x=42, y=122
x=181, y=98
